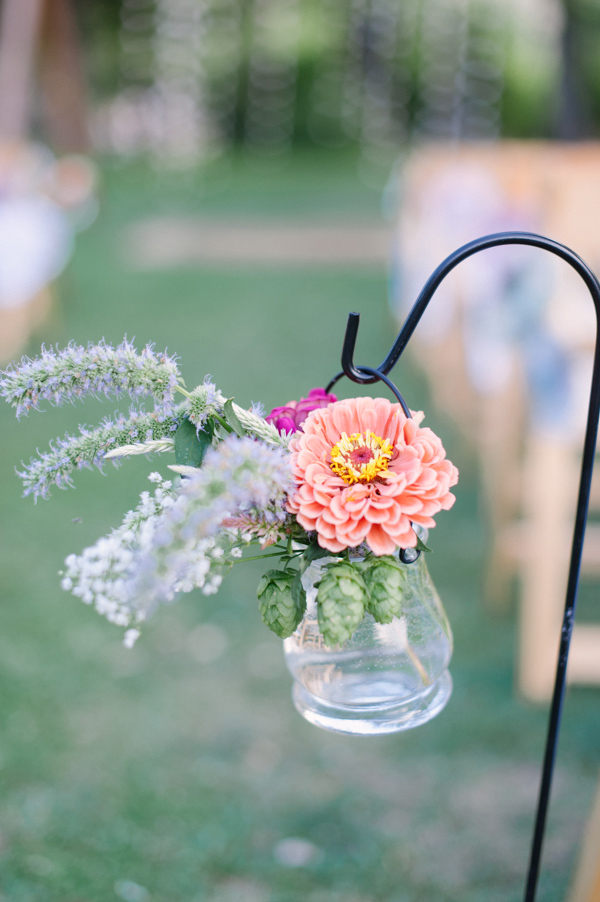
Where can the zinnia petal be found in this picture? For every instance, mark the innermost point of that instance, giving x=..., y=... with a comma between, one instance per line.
x=410, y=484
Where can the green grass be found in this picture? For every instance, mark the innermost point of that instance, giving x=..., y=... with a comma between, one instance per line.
x=179, y=775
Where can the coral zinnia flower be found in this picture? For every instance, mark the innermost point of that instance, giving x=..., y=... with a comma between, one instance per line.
x=365, y=473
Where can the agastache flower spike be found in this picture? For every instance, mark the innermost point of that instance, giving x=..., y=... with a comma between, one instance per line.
x=100, y=369
x=204, y=401
x=73, y=452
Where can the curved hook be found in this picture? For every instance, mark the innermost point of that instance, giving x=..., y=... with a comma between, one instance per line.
x=364, y=375
x=382, y=378
x=530, y=239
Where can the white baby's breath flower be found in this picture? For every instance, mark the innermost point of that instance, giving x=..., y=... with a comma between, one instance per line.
x=100, y=573
x=107, y=573
x=237, y=475
x=130, y=638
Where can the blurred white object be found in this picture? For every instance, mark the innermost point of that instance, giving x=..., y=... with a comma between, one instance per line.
x=43, y=203
x=296, y=853
x=36, y=241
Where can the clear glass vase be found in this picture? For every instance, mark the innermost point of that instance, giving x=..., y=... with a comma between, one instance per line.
x=386, y=677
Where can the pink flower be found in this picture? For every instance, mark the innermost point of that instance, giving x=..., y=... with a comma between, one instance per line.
x=291, y=417
x=365, y=473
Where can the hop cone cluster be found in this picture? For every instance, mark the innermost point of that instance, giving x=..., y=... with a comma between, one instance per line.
x=341, y=601
x=386, y=586
x=282, y=601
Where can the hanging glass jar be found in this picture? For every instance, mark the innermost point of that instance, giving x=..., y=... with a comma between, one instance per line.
x=388, y=676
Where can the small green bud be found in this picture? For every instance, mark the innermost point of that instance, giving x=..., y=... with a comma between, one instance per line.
x=341, y=600
x=386, y=583
x=282, y=601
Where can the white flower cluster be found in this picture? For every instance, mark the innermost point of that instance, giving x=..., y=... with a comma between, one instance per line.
x=238, y=475
x=102, y=574
x=178, y=538
x=174, y=540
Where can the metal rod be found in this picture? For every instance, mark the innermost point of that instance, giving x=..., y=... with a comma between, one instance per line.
x=390, y=385
x=364, y=375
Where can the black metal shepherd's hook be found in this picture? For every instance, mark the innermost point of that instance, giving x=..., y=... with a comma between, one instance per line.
x=366, y=375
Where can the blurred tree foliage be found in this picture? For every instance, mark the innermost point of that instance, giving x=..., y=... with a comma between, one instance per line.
x=100, y=23
x=343, y=65
x=578, y=113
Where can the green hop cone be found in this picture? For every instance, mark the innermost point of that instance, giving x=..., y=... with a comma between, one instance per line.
x=386, y=584
x=341, y=600
x=282, y=601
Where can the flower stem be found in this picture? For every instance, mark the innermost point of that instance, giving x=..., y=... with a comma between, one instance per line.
x=417, y=664
x=183, y=391
x=223, y=422
x=256, y=557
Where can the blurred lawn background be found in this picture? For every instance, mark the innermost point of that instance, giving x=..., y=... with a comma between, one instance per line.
x=175, y=772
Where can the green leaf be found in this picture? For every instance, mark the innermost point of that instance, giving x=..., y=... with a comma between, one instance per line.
x=311, y=553
x=298, y=593
x=421, y=546
x=314, y=552
x=191, y=447
x=230, y=416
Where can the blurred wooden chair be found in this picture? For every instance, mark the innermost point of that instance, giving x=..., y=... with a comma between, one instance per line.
x=586, y=885
x=529, y=472
x=537, y=548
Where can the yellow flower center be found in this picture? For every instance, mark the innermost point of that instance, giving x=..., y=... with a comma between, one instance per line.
x=361, y=457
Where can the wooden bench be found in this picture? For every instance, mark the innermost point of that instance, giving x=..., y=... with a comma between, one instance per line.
x=586, y=885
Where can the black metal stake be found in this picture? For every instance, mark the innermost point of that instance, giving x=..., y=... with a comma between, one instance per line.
x=366, y=375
